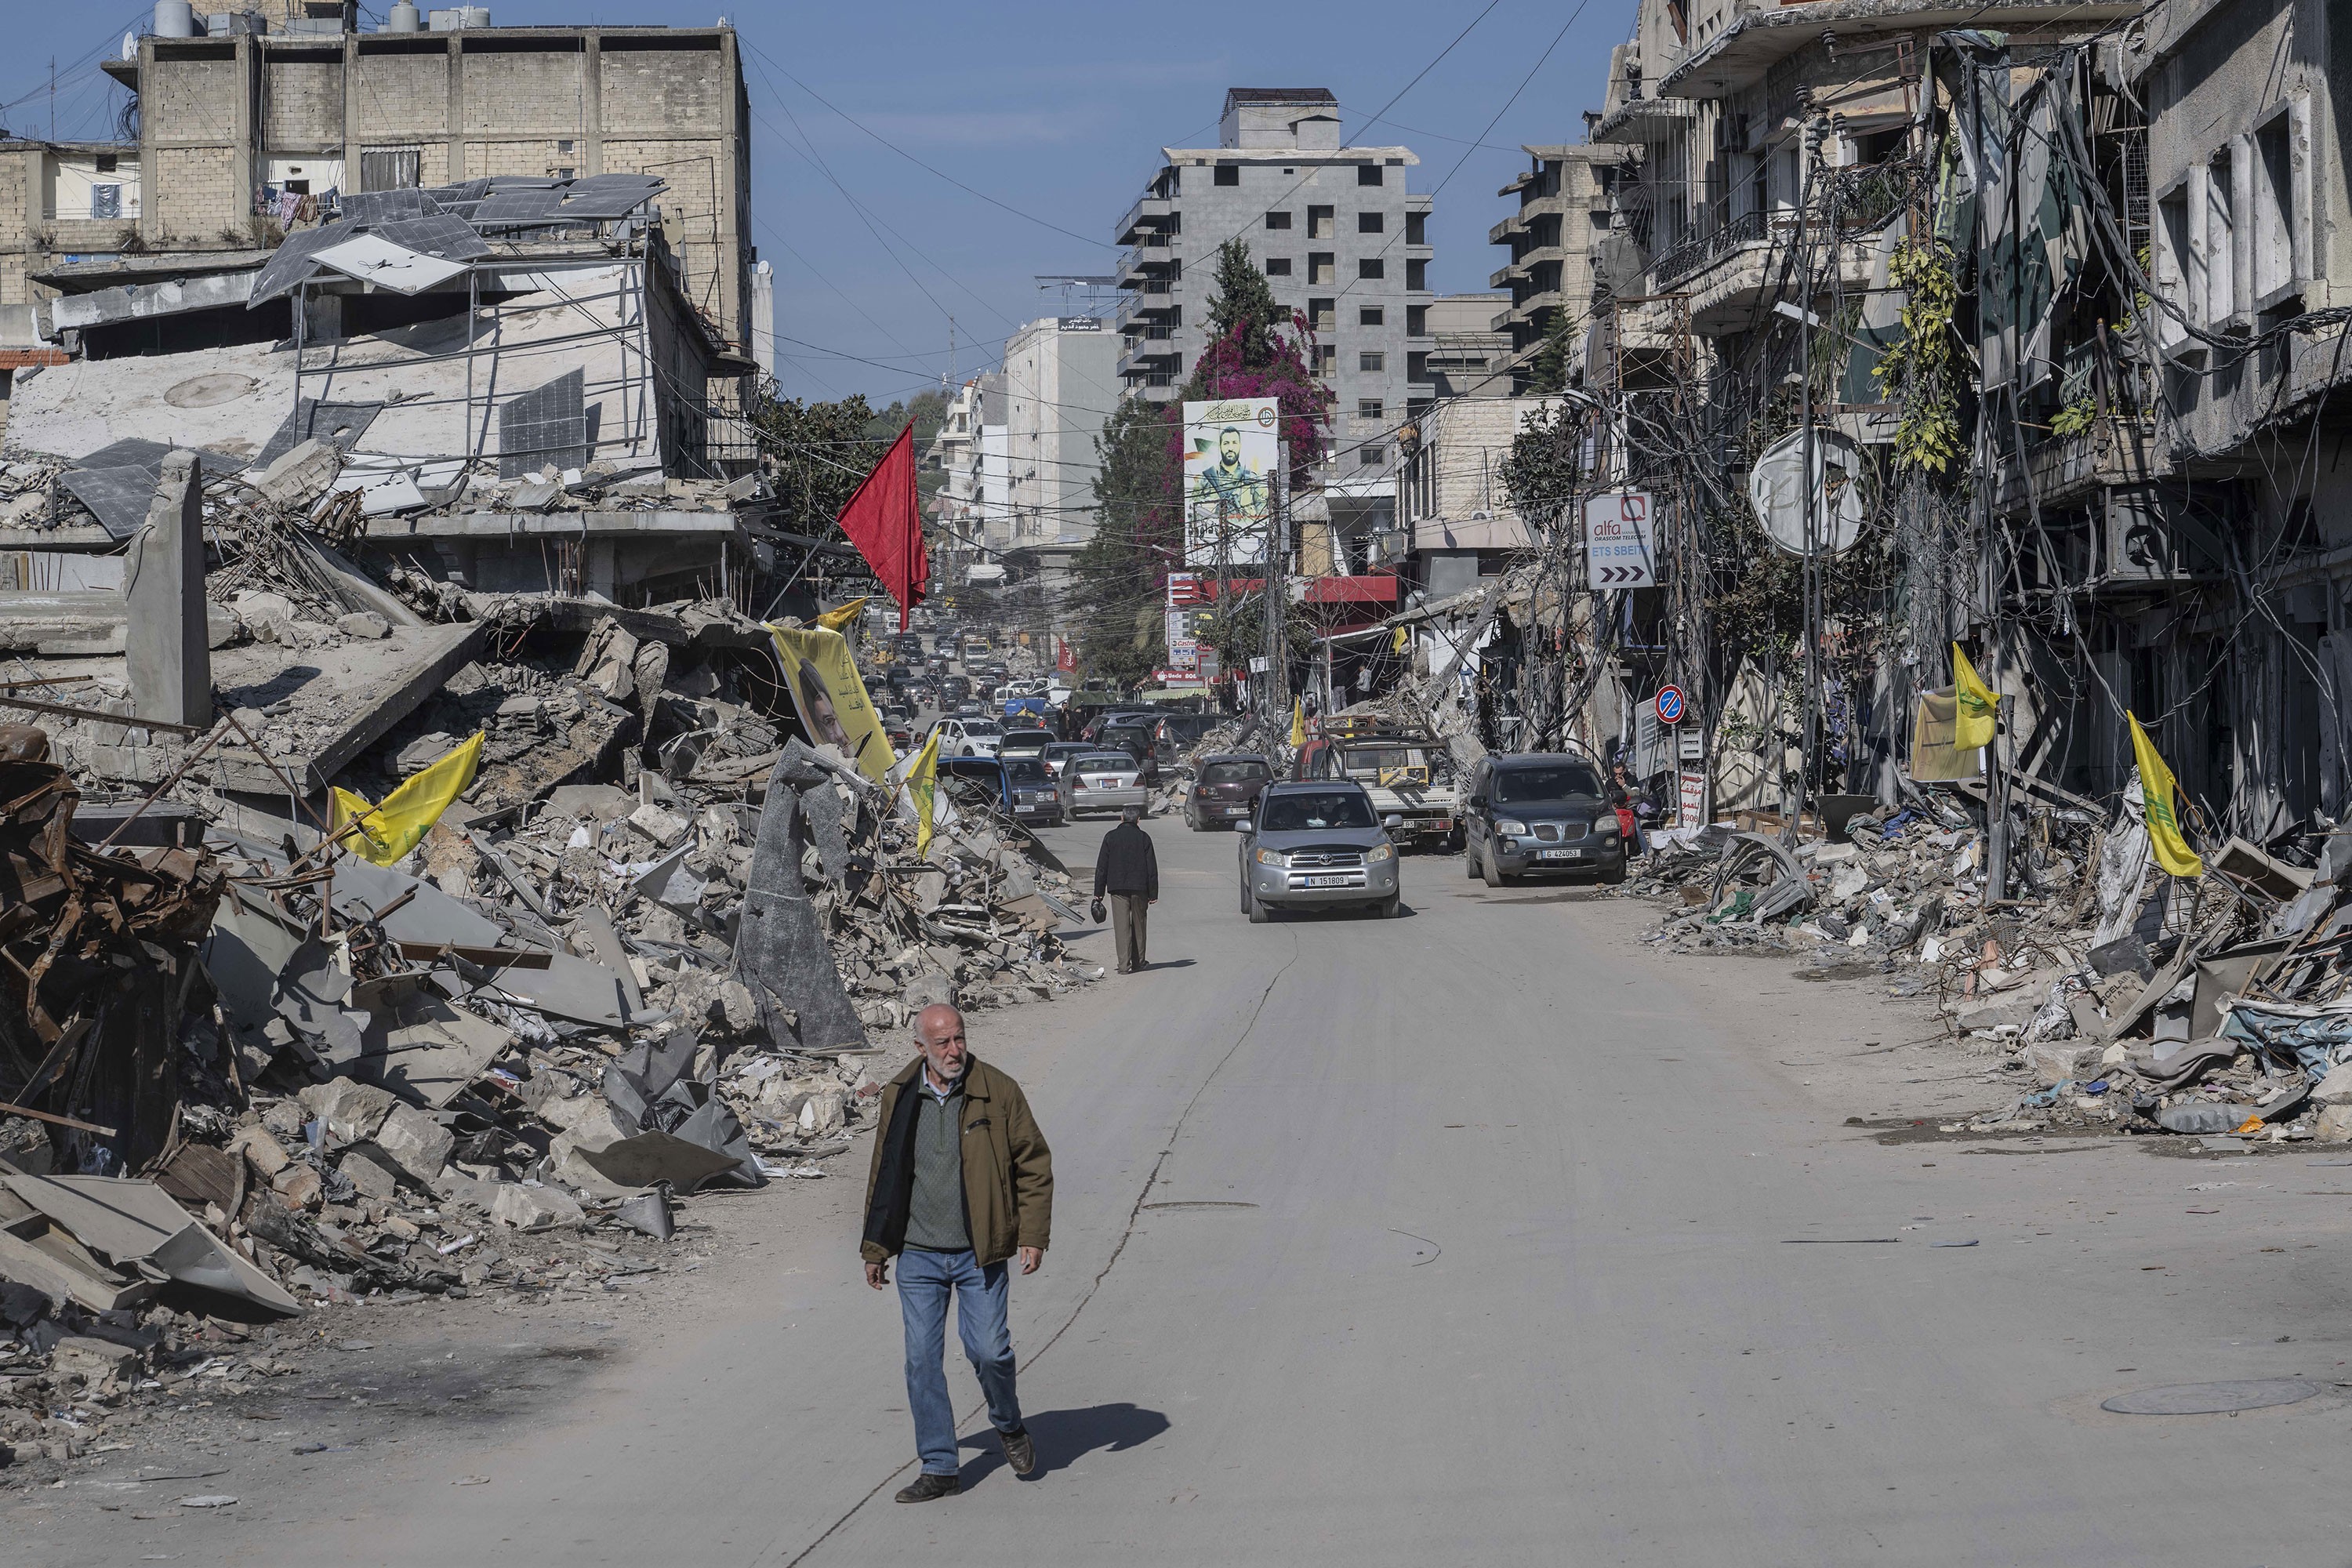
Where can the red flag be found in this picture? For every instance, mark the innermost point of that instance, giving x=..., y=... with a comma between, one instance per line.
x=886, y=522
x=1065, y=659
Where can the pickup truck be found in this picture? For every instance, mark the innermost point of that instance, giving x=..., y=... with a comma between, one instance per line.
x=1402, y=773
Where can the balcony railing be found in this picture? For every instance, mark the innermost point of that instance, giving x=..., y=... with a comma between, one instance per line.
x=1747, y=228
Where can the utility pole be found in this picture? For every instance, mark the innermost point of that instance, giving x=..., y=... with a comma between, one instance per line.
x=1277, y=588
x=1809, y=578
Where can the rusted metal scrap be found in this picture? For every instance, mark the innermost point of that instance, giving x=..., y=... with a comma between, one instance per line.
x=95, y=953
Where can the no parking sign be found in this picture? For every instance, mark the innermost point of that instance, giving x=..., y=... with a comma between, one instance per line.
x=1670, y=704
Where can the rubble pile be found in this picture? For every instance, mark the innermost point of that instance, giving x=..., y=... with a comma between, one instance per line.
x=637, y=960
x=2113, y=995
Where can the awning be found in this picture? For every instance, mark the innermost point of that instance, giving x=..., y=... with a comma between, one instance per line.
x=1375, y=588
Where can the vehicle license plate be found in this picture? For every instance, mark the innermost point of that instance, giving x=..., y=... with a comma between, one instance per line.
x=1323, y=881
x=1559, y=854
x=1236, y=810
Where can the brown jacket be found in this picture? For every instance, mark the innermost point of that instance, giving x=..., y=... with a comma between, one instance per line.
x=1008, y=1172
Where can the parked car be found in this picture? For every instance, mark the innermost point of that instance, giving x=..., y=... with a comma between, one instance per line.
x=1137, y=740
x=1024, y=742
x=1539, y=811
x=1058, y=752
x=1031, y=788
x=1098, y=779
x=965, y=737
x=1225, y=793
x=1317, y=846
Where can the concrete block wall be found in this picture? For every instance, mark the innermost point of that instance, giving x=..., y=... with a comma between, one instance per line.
x=190, y=100
x=401, y=100
x=302, y=104
x=525, y=93
x=195, y=200
x=485, y=101
x=661, y=91
x=20, y=199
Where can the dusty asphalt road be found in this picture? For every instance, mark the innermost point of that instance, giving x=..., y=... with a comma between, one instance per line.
x=1465, y=1237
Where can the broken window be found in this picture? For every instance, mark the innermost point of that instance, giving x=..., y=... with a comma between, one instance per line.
x=1277, y=267
x=1323, y=315
x=2221, y=238
x=389, y=168
x=2179, y=268
x=1321, y=267
x=1228, y=175
x=1319, y=223
x=2278, y=222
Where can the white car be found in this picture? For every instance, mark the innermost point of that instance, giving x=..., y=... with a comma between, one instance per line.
x=969, y=737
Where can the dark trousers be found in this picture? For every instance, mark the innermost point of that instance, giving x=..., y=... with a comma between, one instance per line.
x=1129, y=913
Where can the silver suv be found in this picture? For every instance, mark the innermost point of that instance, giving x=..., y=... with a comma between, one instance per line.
x=1317, y=846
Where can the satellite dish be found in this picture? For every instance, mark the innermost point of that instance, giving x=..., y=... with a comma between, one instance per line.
x=1773, y=490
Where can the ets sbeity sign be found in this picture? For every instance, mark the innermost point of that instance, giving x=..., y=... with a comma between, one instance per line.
x=1231, y=448
x=1617, y=540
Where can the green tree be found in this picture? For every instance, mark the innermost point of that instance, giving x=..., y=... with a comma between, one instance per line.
x=816, y=454
x=1119, y=575
x=1545, y=466
x=1549, y=373
x=1244, y=300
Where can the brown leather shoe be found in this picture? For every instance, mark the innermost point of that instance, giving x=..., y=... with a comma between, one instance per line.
x=1020, y=1453
x=927, y=1485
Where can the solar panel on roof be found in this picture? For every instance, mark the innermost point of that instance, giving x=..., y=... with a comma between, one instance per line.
x=509, y=209
x=383, y=206
x=463, y=190
x=589, y=206
x=291, y=262
x=547, y=424
x=340, y=424
x=450, y=237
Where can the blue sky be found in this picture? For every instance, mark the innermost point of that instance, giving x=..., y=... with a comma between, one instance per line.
x=1057, y=111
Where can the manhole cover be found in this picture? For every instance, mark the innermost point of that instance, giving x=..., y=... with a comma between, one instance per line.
x=2211, y=1398
x=204, y=390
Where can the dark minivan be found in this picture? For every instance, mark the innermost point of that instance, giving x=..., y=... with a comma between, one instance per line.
x=1539, y=811
x=1225, y=791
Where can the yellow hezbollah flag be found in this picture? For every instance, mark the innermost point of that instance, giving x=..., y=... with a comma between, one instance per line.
x=831, y=697
x=1397, y=646
x=389, y=831
x=922, y=786
x=2156, y=796
x=1972, y=726
x=1298, y=723
x=840, y=615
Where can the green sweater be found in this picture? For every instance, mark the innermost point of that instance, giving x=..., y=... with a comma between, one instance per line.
x=935, y=1220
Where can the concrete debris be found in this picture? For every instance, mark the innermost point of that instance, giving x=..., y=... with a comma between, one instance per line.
x=2116, y=997
x=642, y=956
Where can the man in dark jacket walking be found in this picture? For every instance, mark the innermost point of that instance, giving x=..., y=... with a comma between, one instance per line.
x=962, y=1179
x=1128, y=867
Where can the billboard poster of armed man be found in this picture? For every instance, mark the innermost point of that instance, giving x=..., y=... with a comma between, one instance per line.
x=1231, y=448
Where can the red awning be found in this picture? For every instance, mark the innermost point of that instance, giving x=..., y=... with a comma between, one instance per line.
x=1377, y=588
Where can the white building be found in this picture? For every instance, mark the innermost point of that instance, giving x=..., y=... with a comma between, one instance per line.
x=1061, y=382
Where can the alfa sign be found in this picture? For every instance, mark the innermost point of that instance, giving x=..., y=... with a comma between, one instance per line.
x=1617, y=540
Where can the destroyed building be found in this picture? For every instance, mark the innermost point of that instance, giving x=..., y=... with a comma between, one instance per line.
x=415, y=857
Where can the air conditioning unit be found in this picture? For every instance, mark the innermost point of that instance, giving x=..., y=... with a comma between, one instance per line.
x=2168, y=533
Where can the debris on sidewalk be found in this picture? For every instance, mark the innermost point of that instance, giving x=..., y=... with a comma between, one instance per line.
x=2115, y=996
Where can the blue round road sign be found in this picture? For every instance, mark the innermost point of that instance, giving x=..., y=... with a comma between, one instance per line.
x=1670, y=704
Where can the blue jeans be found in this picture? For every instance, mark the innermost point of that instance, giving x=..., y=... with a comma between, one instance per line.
x=981, y=1295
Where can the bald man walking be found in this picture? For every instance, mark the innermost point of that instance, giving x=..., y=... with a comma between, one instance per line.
x=961, y=1181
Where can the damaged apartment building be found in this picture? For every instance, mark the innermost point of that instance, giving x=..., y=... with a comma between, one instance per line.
x=500, y=272
x=2062, y=292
